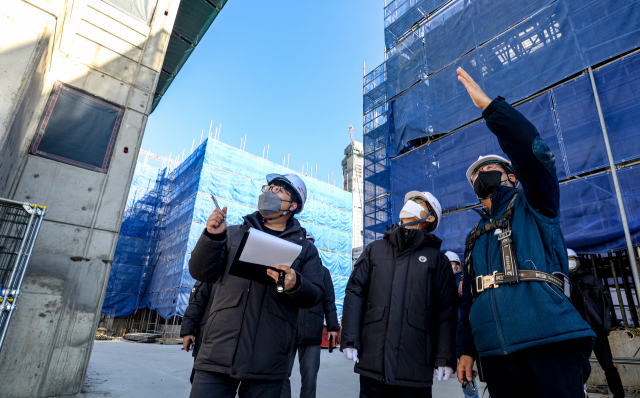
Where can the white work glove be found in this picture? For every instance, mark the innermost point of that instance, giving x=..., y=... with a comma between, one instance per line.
x=351, y=354
x=443, y=373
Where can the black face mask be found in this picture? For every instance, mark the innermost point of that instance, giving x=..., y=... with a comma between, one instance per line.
x=486, y=182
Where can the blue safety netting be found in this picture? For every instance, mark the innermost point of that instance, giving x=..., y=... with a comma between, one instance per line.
x=554, y=43
x=167, y=211
x=513, y=49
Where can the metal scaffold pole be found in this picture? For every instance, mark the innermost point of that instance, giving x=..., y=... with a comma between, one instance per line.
x=616, y=184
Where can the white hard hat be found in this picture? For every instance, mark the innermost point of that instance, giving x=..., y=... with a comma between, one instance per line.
x=295, y=182
x=452, y=256
x=487, y=159
x=429, y=198
x=571, y=253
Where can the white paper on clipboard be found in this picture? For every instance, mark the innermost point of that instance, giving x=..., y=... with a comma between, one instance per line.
x=262, y=248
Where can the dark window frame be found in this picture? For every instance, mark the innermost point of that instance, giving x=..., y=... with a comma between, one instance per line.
x=47, y=115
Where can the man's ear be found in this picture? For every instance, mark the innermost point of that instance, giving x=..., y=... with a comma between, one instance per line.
x=512, y=178
x=293, y=207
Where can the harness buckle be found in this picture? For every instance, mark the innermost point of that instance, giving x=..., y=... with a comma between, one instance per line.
x=504, y=235
x=486, y=282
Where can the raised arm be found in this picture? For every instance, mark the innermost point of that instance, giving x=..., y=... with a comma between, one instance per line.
x=208, y=257
x=531, y=158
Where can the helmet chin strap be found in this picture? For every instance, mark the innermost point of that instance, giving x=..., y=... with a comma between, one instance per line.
x=284, y=213
x=420, y=221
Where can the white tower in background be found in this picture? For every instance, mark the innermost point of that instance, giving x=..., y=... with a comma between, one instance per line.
x=352, y=166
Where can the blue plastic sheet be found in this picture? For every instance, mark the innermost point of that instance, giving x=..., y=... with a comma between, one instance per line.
x=554, y=43
x=167, y=211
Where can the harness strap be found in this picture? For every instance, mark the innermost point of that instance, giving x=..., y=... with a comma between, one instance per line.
x=496, y=279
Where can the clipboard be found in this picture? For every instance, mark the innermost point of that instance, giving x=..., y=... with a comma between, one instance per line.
x=272, y=251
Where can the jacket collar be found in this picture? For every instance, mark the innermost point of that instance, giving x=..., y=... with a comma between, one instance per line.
x=499, y=202
x=413, y=239
x=293, y=232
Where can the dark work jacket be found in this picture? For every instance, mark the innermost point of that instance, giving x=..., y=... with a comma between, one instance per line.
x=195, y=316
x=311, y=320
x=510, y=318
x=591, y=300
x=401, y=309
x=251, y=328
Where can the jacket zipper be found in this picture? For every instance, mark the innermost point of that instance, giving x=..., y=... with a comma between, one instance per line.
x=492, y=297
x=393, y=274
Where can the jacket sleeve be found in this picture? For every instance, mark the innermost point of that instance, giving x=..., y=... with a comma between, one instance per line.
x=198, y=301
x=532, y=160
x=208, y=259
x=447, y=302
x=309, y=288
x=464, y=339
x=355, y=301
x=329, y=303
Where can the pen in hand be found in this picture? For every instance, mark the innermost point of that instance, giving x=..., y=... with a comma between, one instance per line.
x=215, y=202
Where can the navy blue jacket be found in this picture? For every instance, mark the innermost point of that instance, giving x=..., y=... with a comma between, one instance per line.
x=311, y=320
x=510, y=318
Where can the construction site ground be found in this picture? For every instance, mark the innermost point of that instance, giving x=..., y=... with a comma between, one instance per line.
x=128, y=369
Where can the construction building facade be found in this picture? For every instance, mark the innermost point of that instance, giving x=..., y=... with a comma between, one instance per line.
x=79, y=80
x=166, y=213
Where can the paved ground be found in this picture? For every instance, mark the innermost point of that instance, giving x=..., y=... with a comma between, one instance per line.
x=127, y=369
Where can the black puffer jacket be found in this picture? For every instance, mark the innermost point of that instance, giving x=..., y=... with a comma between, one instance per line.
x=195, y=316
x=401, y=309
x=251, y=329
x=591, y=300
x=310, y=320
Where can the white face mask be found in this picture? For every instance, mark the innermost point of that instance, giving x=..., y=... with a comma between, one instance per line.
x=572, y=265
x=411, y=209
x=455, y=271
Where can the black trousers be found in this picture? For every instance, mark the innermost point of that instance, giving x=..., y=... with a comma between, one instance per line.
x=371, y=388
x=218, y=385
x=553, y=370
x=602, y=349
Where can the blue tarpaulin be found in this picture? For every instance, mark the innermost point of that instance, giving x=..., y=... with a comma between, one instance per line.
x=166, y=213
x=514, y=50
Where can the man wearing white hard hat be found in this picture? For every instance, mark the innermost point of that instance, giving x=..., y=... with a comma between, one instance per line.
x=251, y=328
x=400, y=307
x=593, y=302
x=516, y=317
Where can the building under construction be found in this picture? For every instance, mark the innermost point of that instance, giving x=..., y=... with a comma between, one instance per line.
x=78, y=81
x=569, y=66
x=166, y=212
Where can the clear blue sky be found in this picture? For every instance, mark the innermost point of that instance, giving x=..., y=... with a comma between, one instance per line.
x=286, y=73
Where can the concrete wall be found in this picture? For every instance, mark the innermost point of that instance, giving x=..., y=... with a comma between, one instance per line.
x=621, y=347
x=94, y=47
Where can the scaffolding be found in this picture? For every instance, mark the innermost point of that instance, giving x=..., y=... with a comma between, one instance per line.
x=19, y=227
x=421, y=130
x=167, y=210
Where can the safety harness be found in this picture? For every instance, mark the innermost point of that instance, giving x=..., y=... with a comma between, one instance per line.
x=511, y=274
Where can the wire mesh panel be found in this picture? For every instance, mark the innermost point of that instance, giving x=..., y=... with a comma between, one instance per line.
x=19, y=227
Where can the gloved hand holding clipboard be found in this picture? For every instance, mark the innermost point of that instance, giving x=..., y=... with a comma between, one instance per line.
x=258, y=256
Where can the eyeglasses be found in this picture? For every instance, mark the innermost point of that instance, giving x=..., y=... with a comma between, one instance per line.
x=275, y=189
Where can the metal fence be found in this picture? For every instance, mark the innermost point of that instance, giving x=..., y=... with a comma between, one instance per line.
x=614, y=271
x=19, y=227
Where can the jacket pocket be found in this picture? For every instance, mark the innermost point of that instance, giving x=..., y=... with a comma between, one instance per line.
x=415, y=356
x=224, y=327
x=372, y=340
x=275, y=337
x=373, y=315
